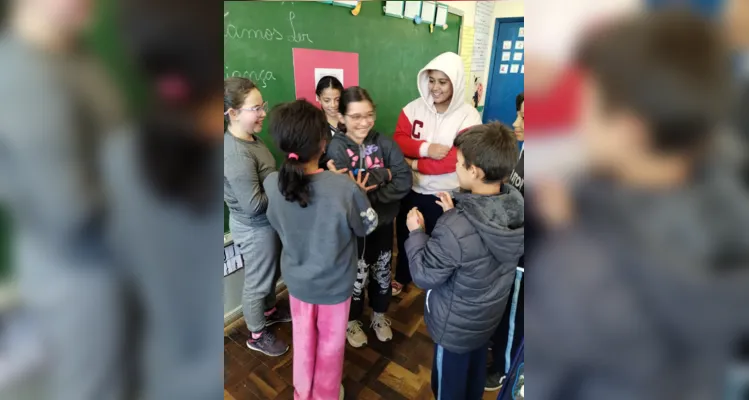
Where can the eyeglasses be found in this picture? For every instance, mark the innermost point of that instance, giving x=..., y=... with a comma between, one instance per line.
x=263, y=107
x=358, y=117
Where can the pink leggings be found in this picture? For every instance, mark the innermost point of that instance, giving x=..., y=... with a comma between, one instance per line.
x=319, y=334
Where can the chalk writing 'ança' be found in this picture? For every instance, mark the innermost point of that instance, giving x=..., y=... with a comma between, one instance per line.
x=232, y=32
x=261, y=78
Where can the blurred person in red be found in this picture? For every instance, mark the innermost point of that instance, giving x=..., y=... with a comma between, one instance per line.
x=638, y=289
x=55, y=105
x=165, y=187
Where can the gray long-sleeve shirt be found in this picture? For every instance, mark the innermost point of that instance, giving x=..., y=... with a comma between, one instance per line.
x=246, y=165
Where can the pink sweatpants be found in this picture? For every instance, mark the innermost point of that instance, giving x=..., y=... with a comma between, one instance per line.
x=319, y=334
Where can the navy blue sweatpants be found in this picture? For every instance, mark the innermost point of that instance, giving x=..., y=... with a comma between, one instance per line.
x=459, y=376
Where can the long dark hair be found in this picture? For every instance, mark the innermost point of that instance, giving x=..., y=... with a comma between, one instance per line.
x=328, y=82
x=174, y=51
x=299, y=130
x=352, y=94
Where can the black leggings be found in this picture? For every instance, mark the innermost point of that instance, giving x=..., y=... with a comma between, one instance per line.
x=427, y=204
x=373, y=272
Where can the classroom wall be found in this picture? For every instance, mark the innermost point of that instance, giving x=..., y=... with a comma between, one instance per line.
x=502, y=9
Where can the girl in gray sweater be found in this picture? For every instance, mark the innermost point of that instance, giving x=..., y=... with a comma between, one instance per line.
x=247, y=162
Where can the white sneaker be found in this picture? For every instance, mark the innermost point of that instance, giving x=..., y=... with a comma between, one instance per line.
x=355, y=334
x=341, y=395
x=381, y=326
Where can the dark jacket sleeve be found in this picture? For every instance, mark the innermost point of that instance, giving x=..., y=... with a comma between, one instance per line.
x=337, y=152
x=397, y=188
x=362, y=217
x=433, y=260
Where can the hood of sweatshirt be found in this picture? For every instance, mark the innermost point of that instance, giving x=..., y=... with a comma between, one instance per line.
x=452, y=65
x=499, y=220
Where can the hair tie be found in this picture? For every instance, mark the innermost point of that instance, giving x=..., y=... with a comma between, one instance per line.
x=293, y=156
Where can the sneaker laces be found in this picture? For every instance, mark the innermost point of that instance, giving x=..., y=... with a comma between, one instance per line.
x=355, y=327
x=267, y=338
x=379, y=321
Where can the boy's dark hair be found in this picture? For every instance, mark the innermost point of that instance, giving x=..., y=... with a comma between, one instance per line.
x=236, y=90
x=328, y=82
x=352, y=94
x=300, y=128
x=670, y=68
x=519, y=101
x=491, y=147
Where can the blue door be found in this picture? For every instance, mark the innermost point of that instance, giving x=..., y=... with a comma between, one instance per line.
x=506, y=71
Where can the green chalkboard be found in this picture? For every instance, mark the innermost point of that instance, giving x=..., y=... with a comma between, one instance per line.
x=259, y=38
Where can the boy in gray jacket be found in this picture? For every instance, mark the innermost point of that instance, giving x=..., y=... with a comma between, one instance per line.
x=468, y=264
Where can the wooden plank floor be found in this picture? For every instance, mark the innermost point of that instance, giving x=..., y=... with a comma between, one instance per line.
x=397, y=370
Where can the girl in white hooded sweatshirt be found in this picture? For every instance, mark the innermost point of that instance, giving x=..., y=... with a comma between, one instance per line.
x=425, y=132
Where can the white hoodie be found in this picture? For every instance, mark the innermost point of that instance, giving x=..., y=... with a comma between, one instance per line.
x=420, y=125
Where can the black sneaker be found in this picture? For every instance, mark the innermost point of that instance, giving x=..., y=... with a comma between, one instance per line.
x=280, y=315
x=494, y=382
x=268, y=344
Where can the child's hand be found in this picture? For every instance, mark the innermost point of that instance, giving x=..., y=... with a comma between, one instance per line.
x=415, y=220
x=333, y=169
x=362, y=181
x=438, y=151
x=445, y=201
x=410, y=163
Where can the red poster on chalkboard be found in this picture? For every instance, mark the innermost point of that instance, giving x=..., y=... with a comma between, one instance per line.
x=311, y=65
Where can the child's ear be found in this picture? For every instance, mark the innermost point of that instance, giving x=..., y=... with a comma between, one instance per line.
x=232, y=114
x=477, y=173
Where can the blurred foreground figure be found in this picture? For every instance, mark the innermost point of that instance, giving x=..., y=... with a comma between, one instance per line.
x=639, y=289
x=164, y=181
x=736, y=16
x=55, y=104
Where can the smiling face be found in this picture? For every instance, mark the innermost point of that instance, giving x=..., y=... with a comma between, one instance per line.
x=246, y=121
x=519, y=123
x=329, y=100
x=440, y=87
x=359, y=120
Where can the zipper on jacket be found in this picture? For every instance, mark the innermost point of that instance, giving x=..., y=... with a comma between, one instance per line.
x=361, y=164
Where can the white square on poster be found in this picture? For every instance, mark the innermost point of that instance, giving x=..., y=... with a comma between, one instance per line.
x=507, y=45
x=503, y=69
x=521, y=32
x=349, y=3
x=517, y=57
x=335, y=72
x=519, y=45
x=522, y=69
x=412, y=9
x=505, y=56
x=514, y=69
x=428, y=9
x=441, y=18
x=394, y=8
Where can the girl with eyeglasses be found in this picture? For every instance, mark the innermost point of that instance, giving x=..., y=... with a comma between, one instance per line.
x=377, y=165
x=247, y=162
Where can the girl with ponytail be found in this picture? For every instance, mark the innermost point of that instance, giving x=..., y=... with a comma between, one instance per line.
x=318, y=214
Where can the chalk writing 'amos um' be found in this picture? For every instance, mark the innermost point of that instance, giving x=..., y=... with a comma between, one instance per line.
x=270, y=34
